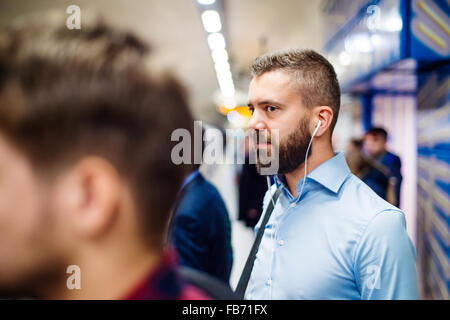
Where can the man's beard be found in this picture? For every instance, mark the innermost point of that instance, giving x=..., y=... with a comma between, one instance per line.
x=45, y=274
x=292, y=150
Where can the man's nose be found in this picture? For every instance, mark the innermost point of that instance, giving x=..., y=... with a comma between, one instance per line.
x=257, y=121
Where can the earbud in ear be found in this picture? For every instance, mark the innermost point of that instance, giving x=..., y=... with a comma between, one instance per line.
x=317, y=128
x=318, y=124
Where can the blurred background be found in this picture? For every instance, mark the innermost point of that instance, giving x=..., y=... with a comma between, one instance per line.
x=392, y=61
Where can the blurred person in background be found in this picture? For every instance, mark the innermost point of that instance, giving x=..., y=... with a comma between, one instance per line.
x=201, y=229
x=385, y=176
x=356, y=161
x=252, y=188
x=86, y=176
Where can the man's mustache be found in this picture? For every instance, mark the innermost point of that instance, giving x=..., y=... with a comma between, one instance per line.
x=262, y=136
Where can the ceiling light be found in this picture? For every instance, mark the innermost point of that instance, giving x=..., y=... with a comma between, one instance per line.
x=211, y=21
x=216, y=41
x=219, y=55
x=206, y=1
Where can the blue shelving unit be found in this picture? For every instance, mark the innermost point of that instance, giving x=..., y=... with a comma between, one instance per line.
x=401, y=48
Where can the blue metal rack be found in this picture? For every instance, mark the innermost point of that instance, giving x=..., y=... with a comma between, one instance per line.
x=402, y=47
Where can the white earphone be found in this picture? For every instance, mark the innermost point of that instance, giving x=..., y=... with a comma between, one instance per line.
x=319, y=123
x=306, y=157
x=316, y=129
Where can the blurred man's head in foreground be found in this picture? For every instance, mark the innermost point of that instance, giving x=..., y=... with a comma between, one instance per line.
x=375, y=141
x=85, y=167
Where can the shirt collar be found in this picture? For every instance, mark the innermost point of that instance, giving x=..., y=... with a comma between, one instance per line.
x=331, y=174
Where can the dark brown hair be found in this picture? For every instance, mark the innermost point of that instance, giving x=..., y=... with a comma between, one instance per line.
x=377, y=131
x=314, y=75
x=65, y=94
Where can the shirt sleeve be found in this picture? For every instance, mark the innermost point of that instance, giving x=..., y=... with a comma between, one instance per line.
x=385, y=267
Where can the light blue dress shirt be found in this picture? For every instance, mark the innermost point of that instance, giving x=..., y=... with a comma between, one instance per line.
x=339, y=240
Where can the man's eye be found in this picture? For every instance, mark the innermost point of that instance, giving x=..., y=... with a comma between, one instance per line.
x=271, y=108
x=251, y=109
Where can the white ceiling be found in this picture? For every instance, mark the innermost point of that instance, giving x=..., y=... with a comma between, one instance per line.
x=174, y=29
x=259, y=26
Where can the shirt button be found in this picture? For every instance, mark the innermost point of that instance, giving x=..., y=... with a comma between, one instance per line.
x=293, y=205
x=280, y=242
x=269, y=282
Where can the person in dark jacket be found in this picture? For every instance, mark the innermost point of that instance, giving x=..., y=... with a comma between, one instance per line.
x=386, y=171
x=200, y=228
x=252, y=188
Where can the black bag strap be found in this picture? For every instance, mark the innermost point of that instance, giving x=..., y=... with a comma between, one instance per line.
x=245, y=276
x=213, y=287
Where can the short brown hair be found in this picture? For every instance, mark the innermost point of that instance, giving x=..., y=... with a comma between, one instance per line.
x=378, y=131
x=65, y=94
x=315, y=76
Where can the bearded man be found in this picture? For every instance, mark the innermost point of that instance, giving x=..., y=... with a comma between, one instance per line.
x=329, y=236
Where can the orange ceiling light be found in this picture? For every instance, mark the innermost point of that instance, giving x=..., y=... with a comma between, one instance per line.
x=242, y=110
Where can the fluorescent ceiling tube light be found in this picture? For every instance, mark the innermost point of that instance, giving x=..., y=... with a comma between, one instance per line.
x=206, y=1
x=227, y=91
x=227, y=88
x=211, y=21
x=224, y=75
x=222, y=66
x=219, y=55
x=216, y=41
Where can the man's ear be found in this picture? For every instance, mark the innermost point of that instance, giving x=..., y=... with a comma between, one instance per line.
x=325, y=115
x=93, y=196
